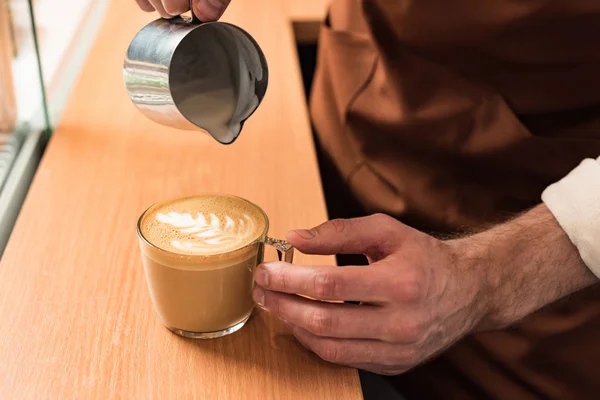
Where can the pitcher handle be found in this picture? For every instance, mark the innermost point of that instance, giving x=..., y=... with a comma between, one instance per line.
x=195, y=20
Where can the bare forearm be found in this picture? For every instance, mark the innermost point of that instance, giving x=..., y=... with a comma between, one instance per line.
x=526, y=263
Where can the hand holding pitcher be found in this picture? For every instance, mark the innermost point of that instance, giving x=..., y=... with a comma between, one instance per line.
x=205, y=10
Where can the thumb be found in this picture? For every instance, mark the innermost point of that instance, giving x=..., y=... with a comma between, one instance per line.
x=369, y=235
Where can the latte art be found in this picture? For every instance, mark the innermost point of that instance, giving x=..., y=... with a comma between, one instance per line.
x=208, y=233
x=203, y=225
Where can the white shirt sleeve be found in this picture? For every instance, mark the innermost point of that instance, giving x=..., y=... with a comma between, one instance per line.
x=575, y=203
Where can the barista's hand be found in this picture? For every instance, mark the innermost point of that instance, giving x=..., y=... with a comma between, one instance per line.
x=415, y=298
x=205, y=10
x=420, y=294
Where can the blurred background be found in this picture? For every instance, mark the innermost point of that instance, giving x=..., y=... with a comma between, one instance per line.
x=42, y=47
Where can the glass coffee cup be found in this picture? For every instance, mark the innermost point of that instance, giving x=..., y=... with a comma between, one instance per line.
x=199, y=255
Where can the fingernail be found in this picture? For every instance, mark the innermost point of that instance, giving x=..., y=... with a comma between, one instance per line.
x=305, y=233
x=262, y=276
x=258, y=294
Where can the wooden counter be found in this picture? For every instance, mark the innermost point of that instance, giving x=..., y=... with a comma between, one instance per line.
x=306, y=17
x=306, y=10
x=76, y=318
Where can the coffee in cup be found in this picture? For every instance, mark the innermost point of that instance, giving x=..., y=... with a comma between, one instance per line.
x=199, y=255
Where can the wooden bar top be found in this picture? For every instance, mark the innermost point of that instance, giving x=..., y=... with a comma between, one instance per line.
x=306, y=10
x=76, y=317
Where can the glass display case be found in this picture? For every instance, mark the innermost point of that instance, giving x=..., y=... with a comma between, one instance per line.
x=23, y=95
x=42, y=46
x=8, y=107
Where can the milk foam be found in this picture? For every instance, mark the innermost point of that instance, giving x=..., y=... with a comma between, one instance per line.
x=209, y=235
x=203, y=225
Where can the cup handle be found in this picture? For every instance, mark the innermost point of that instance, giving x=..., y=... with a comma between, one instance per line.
x=285, y=251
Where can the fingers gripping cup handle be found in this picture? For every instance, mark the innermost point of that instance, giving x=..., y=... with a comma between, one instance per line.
x=285, y=251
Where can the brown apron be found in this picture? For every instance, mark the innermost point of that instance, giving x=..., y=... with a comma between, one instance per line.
x=453, y=115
